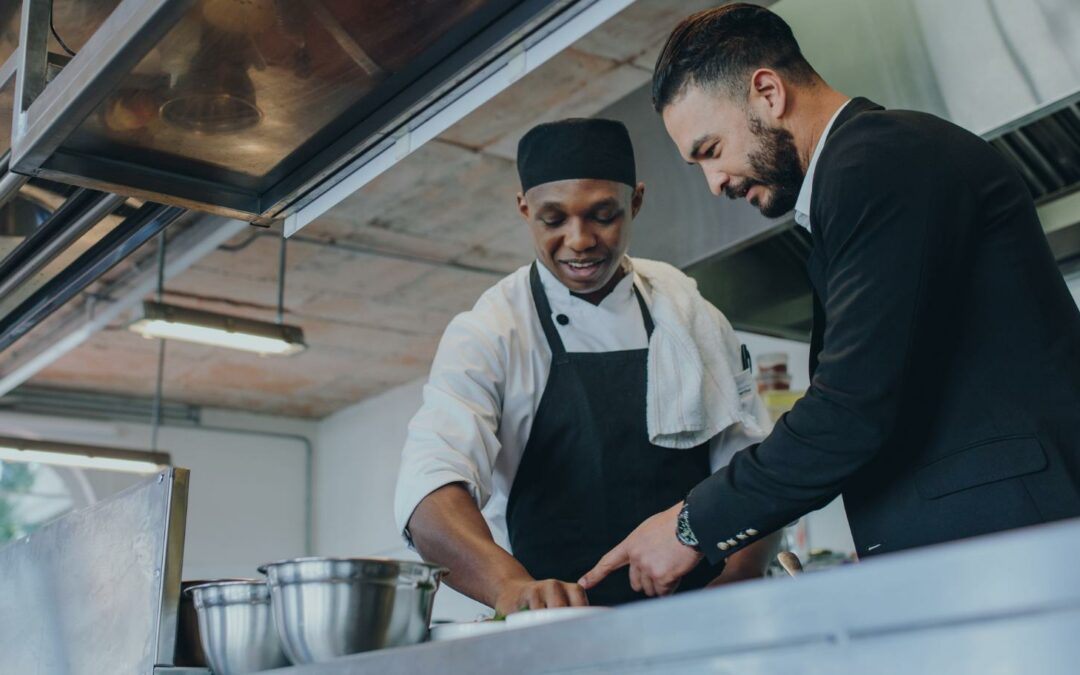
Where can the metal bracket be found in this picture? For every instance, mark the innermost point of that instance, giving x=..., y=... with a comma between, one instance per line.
x=33, y=61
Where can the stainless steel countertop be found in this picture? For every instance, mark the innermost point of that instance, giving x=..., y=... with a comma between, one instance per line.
x=1006, y=603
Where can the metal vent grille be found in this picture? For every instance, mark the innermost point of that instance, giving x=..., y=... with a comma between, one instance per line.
x=1047, y=152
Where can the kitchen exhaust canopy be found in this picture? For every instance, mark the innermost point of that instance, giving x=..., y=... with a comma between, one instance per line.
x=251, y=110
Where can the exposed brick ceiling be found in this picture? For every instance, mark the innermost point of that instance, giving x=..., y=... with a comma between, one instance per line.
x=372, y=312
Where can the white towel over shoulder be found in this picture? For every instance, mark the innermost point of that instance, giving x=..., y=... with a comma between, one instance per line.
x=694, y=361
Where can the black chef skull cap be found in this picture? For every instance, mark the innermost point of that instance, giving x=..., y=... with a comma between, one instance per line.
x=574, y=149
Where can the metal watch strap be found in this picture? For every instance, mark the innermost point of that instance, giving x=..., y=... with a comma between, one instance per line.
x=683, y=532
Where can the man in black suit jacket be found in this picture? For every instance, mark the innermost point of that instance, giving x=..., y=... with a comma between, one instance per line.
x=945, y=377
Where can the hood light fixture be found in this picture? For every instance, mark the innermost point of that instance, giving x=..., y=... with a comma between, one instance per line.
x=163, y=321
x=82, y=456
x=172, y=322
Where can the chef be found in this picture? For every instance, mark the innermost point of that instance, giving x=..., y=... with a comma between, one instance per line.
x=572, y=402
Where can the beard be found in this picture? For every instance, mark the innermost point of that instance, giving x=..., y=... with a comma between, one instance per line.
x=776, y=167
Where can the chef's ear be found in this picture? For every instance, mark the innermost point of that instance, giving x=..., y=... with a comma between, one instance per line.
x=523, y=208
x=637, y=199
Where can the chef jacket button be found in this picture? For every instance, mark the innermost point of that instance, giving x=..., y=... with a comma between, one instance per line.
x=751, y=531
x=732, y=542
x=562, y=319
x=741, y=536
x=723, y=546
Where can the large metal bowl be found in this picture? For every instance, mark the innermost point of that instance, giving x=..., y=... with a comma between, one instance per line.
x=325, y=608
x=236, y=627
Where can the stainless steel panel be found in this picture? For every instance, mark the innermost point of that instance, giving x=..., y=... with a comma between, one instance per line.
x=297, y=87
x=96, y=591
x=266, y=77
x=1005, y=603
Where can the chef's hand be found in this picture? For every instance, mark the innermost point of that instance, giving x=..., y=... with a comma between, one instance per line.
x=656, y=558
x=533, y=594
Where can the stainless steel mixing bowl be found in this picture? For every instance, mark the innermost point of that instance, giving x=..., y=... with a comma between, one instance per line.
x=329, y=607
x=236, y=627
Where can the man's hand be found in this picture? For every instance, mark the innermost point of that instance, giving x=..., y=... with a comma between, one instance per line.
x=656, y=557
x=534, y=594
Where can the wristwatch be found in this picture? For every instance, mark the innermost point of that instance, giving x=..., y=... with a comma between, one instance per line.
x=683, y=533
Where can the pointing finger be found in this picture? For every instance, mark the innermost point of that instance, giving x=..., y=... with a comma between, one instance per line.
x=612, y=560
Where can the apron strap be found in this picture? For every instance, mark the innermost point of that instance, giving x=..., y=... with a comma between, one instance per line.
x=646, y=315
x=543, y=309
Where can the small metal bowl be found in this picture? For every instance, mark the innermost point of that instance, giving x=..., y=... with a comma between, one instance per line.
x=236, y=627
x=189, y=651
x=329, y=607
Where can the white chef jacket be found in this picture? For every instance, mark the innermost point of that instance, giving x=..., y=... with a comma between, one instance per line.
x=486, y=384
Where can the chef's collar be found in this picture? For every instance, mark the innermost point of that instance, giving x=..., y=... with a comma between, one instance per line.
x=559, y=293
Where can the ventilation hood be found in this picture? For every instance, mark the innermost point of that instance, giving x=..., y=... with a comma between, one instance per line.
x=255, y=109
x=1008, y=70
x=141, y=115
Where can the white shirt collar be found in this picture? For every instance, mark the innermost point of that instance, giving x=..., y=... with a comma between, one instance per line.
x=802, y=203
x=560, y=296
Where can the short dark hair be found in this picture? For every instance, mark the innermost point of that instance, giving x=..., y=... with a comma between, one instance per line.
x=722, y=47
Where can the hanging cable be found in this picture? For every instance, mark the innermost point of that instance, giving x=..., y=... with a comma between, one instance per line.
x=157, y=395
x=160, y=267
x=159, y=383
x=57, y=35
x=281, y=281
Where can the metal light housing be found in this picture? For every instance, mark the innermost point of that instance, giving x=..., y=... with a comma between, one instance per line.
x=172, y=322
x=81, y=456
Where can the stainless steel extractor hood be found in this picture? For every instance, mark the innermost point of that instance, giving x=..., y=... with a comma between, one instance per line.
x=253, y=110
x=1008, y=70
x=270, y=109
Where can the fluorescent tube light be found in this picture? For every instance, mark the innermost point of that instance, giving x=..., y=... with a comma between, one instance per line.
x=81, y=456
x=171, y=322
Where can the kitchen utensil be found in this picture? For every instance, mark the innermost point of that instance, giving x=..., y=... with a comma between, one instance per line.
x=790, y=562
x=534, y=617
x=329, y=607
x=452, y=631
x=236, y=627
x=189, y=651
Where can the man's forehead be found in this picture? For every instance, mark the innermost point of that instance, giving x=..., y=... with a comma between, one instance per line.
x=577, y=190
x=699, y=116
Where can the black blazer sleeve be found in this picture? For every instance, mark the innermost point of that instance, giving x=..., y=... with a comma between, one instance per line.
x=882, y=216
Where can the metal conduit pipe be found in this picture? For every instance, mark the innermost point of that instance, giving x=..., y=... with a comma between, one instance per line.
x=79, y=224
x=366, y=250
x=9, y=182
x=98, y=259
x=73, y=206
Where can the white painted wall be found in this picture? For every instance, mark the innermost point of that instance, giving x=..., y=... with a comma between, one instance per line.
x=1073, y=281
x=247, y=493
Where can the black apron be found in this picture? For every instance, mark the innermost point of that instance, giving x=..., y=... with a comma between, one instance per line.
x=589, y=474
